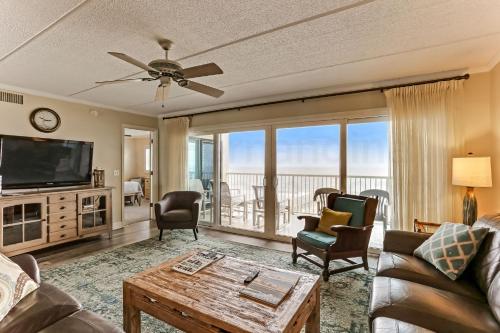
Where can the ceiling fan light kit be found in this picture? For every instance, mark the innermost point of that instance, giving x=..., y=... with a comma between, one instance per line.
x=167, y=71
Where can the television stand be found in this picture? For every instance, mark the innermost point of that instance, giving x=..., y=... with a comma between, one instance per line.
x=31, y=221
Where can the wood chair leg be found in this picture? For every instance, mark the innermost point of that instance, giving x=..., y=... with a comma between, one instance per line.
x=294, y=253
x=195, y=234
x=365, y=261
x=326, y=269
x=161, y=233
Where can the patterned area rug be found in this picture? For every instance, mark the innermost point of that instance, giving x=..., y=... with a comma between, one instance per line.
x=96, y=280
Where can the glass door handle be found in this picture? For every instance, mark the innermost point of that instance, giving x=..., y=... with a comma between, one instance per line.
x=275, y=182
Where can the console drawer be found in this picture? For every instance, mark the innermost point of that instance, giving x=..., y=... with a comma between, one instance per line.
x=60, y=226
x=62, y=207
x=62, y=197
x=60, y=235
x=62, y=217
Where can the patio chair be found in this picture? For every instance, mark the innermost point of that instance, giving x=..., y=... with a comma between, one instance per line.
x=322, y=194
x=351, y=240
x=231, y=201
x=197, y=185
x=283, y=207
x=383, y=204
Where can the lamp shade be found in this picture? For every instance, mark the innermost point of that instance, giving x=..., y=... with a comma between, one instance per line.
x=472, y=171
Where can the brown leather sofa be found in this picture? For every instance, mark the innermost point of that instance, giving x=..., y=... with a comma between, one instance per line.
x=50, y=310
x=410, y=295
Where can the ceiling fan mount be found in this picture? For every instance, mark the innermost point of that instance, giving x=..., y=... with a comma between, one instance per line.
x=167, y=70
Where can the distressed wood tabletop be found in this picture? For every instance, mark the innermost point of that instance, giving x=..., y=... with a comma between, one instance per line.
x=209, y=301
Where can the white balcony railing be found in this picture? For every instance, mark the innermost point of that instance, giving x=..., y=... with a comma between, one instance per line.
x=299, y=188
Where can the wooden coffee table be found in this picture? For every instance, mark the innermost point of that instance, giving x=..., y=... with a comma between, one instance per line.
x=209, y=300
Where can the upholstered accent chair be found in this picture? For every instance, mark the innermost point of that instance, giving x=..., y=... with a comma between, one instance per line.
x=351, y=240
x=178, y=210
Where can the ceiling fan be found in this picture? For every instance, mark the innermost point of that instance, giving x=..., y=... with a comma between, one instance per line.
x=166, y=71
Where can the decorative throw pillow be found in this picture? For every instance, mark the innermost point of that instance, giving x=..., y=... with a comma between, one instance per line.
x=15, y=284
x=331, y=217
x=451, y=248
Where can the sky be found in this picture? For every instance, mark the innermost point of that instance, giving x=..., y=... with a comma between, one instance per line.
x=314, y=150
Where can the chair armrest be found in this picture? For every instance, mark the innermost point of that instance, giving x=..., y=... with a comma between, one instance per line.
x=347, y=228
x=196, y=209
x=420, y=226
x=404, y=242
x=161, y=207
x=311, y=222
x=29, y=265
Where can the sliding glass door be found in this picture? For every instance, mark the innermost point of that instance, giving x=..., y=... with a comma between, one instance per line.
x=242, y=188
x=368, y=168
x=258, y=181
x=307, y=168
x=201, y=171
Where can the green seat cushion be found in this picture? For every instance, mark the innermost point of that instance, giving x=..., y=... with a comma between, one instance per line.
x=354, y=206
x=316, y=238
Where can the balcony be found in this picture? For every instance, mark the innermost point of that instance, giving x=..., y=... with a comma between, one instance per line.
x=295, y=196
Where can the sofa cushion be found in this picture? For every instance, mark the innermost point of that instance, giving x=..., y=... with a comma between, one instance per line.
x=451, y=248
x=41, y=308
x=316, y=238
x=15, y=284
x=177, y=215
x=82, y=321
x=389, y=325
x=410, y=268
x=431, y=308
x=354, y=206
x=486, y=263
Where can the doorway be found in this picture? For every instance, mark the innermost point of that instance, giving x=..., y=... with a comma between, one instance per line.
x=137, y=174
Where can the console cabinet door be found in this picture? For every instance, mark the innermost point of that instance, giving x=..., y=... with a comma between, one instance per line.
x=94, y=212
x=23, y=224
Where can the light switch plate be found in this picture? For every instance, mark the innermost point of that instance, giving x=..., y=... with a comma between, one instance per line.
x=116, y=172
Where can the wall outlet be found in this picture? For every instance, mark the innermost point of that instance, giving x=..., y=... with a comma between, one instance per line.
x=116, y=173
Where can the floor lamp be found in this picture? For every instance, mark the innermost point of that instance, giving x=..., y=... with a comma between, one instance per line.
x=471, y=172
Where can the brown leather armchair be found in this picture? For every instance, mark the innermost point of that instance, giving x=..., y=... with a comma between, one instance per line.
x=178, y=210
x=351, y=240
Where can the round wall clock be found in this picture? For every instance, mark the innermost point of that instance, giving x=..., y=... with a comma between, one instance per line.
x=45, y=120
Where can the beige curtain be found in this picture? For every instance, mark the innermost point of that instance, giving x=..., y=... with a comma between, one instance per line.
x=423, y=137
x=176, y=154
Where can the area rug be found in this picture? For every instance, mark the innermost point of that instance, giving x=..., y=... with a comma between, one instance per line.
x=96, y=280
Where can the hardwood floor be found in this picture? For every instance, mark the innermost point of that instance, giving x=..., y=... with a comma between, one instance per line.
x=137, y=232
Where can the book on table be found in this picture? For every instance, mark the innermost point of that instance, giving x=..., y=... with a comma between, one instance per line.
x=197, y=262
x=270, y=287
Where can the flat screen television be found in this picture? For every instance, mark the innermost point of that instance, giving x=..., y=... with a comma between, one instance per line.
x=27, y=162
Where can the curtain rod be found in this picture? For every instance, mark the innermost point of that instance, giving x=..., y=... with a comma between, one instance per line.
x=348, y=92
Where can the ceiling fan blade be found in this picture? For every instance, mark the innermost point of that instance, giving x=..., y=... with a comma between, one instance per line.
x=203, y=89
x=121, y=81
x=132, y=61
x=202, y=70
